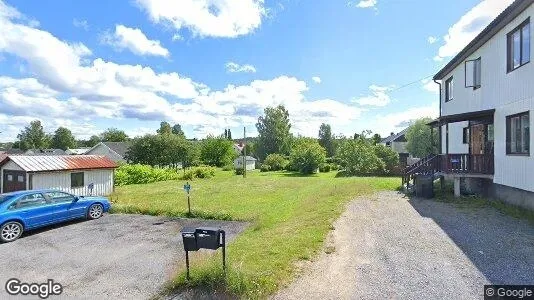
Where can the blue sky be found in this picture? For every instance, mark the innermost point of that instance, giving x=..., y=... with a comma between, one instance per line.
x=206, y=64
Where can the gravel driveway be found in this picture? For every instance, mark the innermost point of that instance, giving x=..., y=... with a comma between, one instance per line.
x=390, y=247
x=115, y=257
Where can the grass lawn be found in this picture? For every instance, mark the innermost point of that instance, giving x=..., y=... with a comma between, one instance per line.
x=290, y=216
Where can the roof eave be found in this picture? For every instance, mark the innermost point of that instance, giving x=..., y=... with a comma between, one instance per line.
x=510, y=13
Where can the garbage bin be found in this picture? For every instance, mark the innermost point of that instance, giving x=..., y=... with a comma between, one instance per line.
x=424, y=186
x=208, y=237
x=190, y=239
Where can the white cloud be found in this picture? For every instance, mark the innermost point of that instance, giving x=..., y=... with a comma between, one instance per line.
x=367, y=4
x=177, y=37
x=134, y=40
x=432, y=39
x=233, y=67
x=69, y=86
x=379, y=96
x=316, y=79
x=469, y=25
x=207, y=18
x=81, y=24
x=430, y=86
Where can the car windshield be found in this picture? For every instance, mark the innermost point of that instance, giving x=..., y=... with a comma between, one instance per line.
x=4, y=198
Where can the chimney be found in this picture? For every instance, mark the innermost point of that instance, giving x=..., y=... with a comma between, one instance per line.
x=393, y=133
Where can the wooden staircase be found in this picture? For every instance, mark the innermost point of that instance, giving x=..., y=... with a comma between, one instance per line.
x=429, y=165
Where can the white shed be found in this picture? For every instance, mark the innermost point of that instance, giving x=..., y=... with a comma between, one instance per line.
x=251, y=163
x=80, y=175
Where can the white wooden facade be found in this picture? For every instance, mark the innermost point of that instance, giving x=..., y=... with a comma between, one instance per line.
x=508, y=93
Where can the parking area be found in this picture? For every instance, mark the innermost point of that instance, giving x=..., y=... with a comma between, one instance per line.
x=117, y=256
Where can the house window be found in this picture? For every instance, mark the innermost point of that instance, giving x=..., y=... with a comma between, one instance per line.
x=9, y=177
x=491, y=130
x=473, y=73
x=466, y=135
x=519, y=46
x=449, y=85
x=76, y=180
x=518, y=134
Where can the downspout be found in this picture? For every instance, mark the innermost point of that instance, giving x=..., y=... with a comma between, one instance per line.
x=439, y=118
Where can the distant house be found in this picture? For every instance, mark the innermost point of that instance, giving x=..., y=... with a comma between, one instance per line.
x=251, y=163
x=81, y=175
x=78, y=151
x=397, y=142
x=116, y=151
x=238, y=148
x=44, y=152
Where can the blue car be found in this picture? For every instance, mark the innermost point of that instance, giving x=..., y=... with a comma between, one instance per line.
x=26, y=210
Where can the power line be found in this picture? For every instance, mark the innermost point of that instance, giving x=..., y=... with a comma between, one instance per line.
x=408, y=84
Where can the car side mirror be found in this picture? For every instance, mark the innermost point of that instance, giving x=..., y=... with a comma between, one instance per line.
x=76, y=199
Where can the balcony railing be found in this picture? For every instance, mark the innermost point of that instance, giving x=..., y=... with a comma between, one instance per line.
x=467, y=163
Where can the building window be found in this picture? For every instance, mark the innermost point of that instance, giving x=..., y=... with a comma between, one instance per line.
x=491, y=130
x=519, y=46
x=518, y=134
x=466, y=135
x=449, y=85
x=473, y=73
x=76, y=180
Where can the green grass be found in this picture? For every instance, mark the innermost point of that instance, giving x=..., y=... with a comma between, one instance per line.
x=290, y=217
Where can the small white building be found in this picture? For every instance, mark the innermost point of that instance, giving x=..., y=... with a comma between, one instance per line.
x=80, y=175
x=251, y=163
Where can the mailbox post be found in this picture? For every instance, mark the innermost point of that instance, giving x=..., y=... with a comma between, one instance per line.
x=187, y=189
x=203, y=238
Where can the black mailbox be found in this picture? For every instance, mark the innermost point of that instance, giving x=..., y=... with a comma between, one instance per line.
x=190, y=239
x=208, y=237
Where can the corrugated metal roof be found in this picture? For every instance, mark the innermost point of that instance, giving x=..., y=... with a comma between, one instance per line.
x=40, y=163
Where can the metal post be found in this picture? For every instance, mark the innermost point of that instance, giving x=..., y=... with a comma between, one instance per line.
x=187, y=263
x=244, y=152
x=188, y=203
x=224, y=250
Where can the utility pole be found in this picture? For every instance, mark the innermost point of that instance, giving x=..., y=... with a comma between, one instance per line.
x=244, y=152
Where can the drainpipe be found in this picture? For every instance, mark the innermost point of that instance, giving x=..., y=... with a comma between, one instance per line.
x=439, y=122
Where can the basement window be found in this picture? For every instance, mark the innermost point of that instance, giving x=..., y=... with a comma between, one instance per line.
x=76, y=180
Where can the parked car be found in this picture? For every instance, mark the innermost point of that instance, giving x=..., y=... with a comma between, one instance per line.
x=26, y=210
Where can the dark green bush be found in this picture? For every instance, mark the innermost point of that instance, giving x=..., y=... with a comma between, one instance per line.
x=141, y=174
x=239, y=171
x=307, y=155
x=324, y=168
x=265, y=168
x=359, y=158
x=228, y=168
x=389, y=157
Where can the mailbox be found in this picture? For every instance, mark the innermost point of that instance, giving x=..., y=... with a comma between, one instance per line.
x=208, y=237
x=190, y=239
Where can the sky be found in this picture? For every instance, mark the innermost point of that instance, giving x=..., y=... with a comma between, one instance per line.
x=215, y=64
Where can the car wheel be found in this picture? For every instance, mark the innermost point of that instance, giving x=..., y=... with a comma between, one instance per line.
x=10, y=231
x=95, y=211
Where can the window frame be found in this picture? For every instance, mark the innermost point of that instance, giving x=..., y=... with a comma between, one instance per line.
x=74, y=183
x=476, y=62
x=509, y=136
x=448, y=95
x=16, y=204
x=466, y=135
x=509, y=46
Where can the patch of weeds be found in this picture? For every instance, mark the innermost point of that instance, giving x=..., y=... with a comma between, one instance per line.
x=330, y=249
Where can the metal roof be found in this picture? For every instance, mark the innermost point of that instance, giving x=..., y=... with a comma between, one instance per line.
x=394, y=137
x=505, y=17
x=41, y=163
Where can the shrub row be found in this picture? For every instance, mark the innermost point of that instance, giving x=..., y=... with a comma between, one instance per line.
x=142, y=174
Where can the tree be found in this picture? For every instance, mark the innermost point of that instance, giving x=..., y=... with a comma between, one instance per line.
x=229, y=136
x=273, y=132
x=376, y=138
x=177, y=129
x=326, y=139
x=217, y=151
x=159, y=150
x=226, y=133
x=63, y=139
x=276, y=162
x=307, y=155
x=359, y=158
x=33, y=137
x=93, y=140
x=420, y=140
x=389, y=157
x=113, y=135
x=164, y=128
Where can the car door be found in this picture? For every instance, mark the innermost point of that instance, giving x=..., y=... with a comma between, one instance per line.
x=35, y=210
x=62, y=203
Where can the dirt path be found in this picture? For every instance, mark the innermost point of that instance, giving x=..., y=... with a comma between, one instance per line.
x=389, y=247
